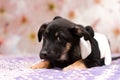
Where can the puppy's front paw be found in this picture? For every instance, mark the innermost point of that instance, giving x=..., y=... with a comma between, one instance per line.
x=68, y=68
x=39, y=65
x=36, y=66
x=76, y=65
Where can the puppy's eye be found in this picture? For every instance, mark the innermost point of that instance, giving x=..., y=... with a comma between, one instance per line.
x=58, y=39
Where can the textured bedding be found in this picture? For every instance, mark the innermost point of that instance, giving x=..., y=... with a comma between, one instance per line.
x=17, y=68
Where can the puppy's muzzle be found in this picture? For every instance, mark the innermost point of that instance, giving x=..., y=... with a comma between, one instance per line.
x=43, y=54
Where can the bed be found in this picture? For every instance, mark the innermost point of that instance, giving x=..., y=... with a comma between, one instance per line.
x=17, y=68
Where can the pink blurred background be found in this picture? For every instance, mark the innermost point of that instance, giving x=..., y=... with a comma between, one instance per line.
x=21, y=19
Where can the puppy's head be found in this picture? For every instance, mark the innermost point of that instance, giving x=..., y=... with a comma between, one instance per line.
x=60, y=37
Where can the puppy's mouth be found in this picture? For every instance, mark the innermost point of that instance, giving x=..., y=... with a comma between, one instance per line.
x=50, y=57
x=56, y=57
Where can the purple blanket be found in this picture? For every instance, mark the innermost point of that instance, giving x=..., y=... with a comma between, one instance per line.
x=17, y=68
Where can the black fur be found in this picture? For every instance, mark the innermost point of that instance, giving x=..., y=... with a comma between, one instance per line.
x=57, y=33
x=94, y=58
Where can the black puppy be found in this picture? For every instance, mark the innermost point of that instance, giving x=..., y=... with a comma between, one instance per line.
x=68, y=45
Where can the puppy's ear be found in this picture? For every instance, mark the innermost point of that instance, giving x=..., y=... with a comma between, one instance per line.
x=80, y=31
x=41, y=30
x=90, y=30
x=57, y=17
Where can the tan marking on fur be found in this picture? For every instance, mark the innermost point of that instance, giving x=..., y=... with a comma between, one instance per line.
x=56, y=34
x=47, y=31
x=76, y=65
x=39, y=65
x=79, y=31
x=67, y=48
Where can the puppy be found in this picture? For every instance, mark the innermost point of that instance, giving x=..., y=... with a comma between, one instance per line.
x=69, y=46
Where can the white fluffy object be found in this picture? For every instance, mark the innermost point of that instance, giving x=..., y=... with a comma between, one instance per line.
x=104, y=47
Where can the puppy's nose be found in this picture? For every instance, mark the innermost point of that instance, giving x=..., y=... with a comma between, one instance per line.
x=43, y=54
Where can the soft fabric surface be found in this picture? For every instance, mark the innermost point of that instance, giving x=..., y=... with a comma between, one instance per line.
x=17, y=68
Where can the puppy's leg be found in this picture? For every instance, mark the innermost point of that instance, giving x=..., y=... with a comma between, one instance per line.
x=76, y=65
x=42, y=64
